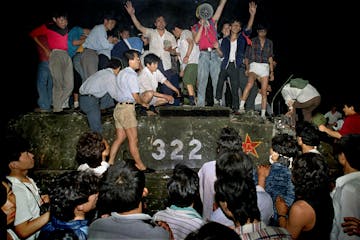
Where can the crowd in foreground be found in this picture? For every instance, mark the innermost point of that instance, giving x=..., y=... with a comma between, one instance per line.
x=295, y=196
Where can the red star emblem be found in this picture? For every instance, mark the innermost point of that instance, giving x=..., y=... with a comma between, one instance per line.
x=250, y=147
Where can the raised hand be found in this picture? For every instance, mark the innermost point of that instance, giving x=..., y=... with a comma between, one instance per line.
x=252, y=8
x=129, y=8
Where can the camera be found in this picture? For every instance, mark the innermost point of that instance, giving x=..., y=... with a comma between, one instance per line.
x=45, y=207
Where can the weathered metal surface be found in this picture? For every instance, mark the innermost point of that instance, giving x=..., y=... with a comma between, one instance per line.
x=163, y=141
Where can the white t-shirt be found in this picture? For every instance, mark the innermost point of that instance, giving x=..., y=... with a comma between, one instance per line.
x=28, y=201
x=99, y=171
x=156, y=45
x=150, y=81
x=183, y=45
x=333, y=117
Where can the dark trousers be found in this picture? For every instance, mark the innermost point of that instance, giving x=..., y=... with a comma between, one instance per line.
x=234, y=74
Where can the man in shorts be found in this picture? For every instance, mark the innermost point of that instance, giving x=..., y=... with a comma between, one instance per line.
x=188, y=54
x=149, y=79
x=124, y=113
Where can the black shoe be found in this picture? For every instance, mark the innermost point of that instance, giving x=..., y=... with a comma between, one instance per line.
x=148, y=170
x=60, y=113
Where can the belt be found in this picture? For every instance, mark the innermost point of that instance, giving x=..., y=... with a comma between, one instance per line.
x=207, y=49
x=122, y=103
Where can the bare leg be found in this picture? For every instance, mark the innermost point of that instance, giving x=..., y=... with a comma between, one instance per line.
x=190, y=89
x=264, y=86
x=249, y=85
x=120, y=137
x=132, y=136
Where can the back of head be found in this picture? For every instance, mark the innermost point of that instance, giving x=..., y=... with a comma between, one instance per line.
x=229, y=140
x=234, y=164
x=213, y=231
x=286, y=146
x=183, y=186
x=308, y=133
x=69, y=190
x=349, y=145
x=89, y=149
x=123, y=187
x=63, y=234
x=240, y=196
x=310, y=175
x=114, y=63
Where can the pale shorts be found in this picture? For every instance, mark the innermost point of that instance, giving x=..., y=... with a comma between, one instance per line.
x=125, y=116
x=260, y=69
x=153, y=100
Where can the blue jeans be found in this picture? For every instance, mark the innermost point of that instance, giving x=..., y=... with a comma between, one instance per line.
x=209, y=63
x=44, y=86
x=90, y=105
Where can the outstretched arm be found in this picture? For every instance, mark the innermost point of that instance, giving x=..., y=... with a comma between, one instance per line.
x=131, y=11
x=252, y=11
x=332, y=133
x=219, y=10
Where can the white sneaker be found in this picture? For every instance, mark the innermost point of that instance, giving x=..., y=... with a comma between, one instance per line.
x=242, y=110
x=216, y=102
x=76, y=104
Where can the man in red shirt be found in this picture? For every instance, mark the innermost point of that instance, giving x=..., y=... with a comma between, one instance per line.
x=351, y=122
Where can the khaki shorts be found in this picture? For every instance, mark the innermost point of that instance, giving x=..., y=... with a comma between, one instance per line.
x=125, y=116
x=190, y=74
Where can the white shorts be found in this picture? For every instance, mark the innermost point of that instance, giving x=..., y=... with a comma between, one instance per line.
x=153, y=101
x=260, y=69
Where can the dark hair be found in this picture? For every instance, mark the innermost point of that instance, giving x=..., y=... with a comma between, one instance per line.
x=62, y=234
x=213, y=231
x=114, y=63
x=183, y=186
x=59, y=13
x=130, y=54
x=89, y=149
x=69, y=190
x=123, y=187
x=286, y=146
x=354, y=104
x=239, y=193
x=308, y=133
x=261, y=26
x=235, y=19
x=229, y=140
x=13, y=146
x=151, y=58
x=310, y=176
x=110, y=15
x=234, y=164
x=349, y=145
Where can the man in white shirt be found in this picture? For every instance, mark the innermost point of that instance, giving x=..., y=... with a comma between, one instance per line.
x=346, y=199
x=149, y=79
x=188, y=54
x=299, y=93
x=161, y=42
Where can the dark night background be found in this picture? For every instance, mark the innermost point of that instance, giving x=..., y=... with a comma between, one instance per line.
x=311, y=40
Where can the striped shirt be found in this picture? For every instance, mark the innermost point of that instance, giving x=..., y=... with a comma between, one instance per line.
x=181, y=221
x=259, y=230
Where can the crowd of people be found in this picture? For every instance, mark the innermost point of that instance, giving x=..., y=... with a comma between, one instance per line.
x=295, y=196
